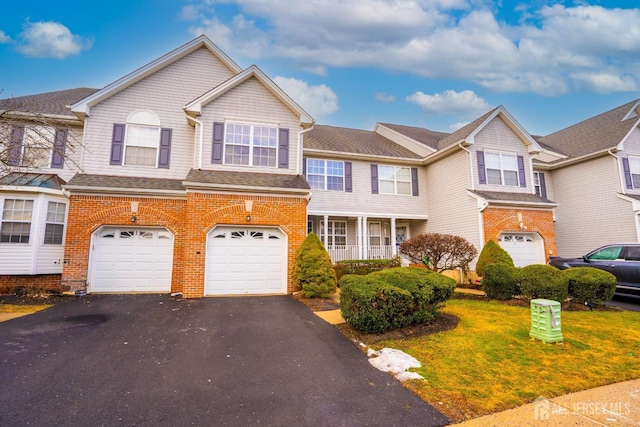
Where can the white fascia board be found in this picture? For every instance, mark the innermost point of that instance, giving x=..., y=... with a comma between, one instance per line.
x=25, y=189
x=532, y=144
x=403, y=140
x=245, y=188
x=82, y=107
x=620, y=146
x=117, y=191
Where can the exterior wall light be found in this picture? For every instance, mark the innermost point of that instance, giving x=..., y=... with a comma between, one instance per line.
x=248, y=218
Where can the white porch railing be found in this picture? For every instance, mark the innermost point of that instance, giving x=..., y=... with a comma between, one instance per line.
x=341, y=253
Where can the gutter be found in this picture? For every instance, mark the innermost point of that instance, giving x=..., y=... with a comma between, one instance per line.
x=372, y=157
x=196, y=136
x=301, y=147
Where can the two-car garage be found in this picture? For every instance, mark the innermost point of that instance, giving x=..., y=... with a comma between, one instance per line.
x=239, y=260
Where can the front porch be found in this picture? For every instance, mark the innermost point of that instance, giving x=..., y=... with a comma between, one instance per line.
x=361, y=237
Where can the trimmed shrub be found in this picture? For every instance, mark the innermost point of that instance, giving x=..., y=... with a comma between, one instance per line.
x=543, y=281
x=492, y=253
x=500, y=281
x=312, y=270
x=590, y=285
x=393, y=298
x=364, y=266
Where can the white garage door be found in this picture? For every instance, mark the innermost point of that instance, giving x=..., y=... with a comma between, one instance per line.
x=243, y=261
x=525, y=249
x=131, y=260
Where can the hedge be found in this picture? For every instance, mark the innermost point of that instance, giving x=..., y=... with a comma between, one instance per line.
x=543, y=281
x=364, y=266
x=500, y=281
x=393, y=298
x=590, y=285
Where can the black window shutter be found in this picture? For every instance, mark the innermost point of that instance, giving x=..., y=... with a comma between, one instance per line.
x=521, y=175
x=283, y=148
x=15, y=146
x=165, y=148
x=543, y=185
x=627, y=172
x=414, y=182
x=482, y=173
x=59, y=147
x=117, y=144
x=374, y=179
x=348, y=181
x=218, y=141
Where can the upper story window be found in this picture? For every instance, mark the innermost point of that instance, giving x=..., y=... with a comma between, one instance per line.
x=54, y=226
x=33, y=146
x=250, y=145
x=502, y=169
x=505, y=169
x=539, y=184
x=634, y=170
x=16, y=221
x=394, y=180
x=325, y=174
x=141, y=142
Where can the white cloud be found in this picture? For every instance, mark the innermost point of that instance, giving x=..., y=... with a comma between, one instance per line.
x=319, y=101
x=4, y=38
x=450, y=102
x=50, y=40
x=544, y=50
x=384, y=97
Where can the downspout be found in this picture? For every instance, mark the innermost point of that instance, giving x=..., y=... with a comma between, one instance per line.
x=473, y=185
x=196, y=137
x=300, y=148
x=620, y=175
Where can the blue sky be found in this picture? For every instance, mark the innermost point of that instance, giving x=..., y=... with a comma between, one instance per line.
x=429, y=63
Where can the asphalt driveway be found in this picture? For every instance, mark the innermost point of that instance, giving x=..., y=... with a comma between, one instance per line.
x=156, y=360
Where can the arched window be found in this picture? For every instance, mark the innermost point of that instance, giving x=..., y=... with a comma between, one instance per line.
x=142, y=139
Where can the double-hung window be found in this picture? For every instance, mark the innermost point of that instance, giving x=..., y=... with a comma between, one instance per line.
x=54, y=227
x=141, y=142
x=634, y=167
x=502, y=169
x=141, y=145
x=325, y=174
x=252, y=145
x=16, y=221
x=337, y=233
x=394, y=180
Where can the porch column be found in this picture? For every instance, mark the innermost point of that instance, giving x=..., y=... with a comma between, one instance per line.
x=365, y=238
x=394, y=250
x=326, y=232
x=359, y=237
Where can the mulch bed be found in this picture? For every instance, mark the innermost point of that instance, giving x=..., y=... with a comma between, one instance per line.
x=20, y=299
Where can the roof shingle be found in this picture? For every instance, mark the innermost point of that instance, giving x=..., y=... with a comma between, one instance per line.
x=247, y=179
x=50, y=103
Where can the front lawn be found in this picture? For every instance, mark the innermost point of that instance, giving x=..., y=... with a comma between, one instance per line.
x=488, y=363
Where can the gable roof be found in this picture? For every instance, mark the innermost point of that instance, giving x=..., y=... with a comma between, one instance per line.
x=511, y=199
x=323, y=138
x=194, y=108
x=83, y=107
x=20, y=179
x=600, y=133
x=425, y=136
x=51, y=104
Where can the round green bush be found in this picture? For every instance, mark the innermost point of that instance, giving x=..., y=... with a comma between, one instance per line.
x=543, y=281
x=500, y=281
x=590, y=285
x=492, y=253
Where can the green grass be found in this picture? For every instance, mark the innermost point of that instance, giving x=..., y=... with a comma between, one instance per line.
x=12, y=308
x=489, y=363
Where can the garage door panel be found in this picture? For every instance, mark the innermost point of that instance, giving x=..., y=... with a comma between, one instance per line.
x=132, y=260
x=243, y=260
x=524, y=249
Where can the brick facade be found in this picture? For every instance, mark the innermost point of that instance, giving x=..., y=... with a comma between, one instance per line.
x=497, y=221
x=32, y=284
x=189, y=219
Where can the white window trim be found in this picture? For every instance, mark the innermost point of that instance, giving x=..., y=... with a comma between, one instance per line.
x=370, y=234
x=252, y=126
x=502, y=168
x=325, y=175
x=127, y=144
x=47, y=222
x=395, y=180
x=331, y=232
x=537, y=188
x=30, y=222
x=634, y=161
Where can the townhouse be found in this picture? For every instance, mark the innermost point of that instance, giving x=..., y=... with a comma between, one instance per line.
x=193, y=175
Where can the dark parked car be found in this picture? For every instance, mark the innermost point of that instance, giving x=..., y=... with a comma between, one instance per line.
x=620, y=259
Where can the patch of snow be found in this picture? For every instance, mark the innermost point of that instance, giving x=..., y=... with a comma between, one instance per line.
x=396, y=362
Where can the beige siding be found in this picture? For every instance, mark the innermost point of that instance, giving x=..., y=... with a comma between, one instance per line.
x=589, y=214
x=631, y=148
x=497, y=136
x=252, y=103
x=362, y=202
x=451, y=209
x=548, y=183
x=164, y=93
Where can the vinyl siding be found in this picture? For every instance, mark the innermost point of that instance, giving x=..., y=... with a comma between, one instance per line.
x=631, y=148
x=252, y=103
x=164, y=93
x=451, y=209
x=49, y=260
x=362, y=202
x=589, y=214
x=548, y=183
x=497, y=136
